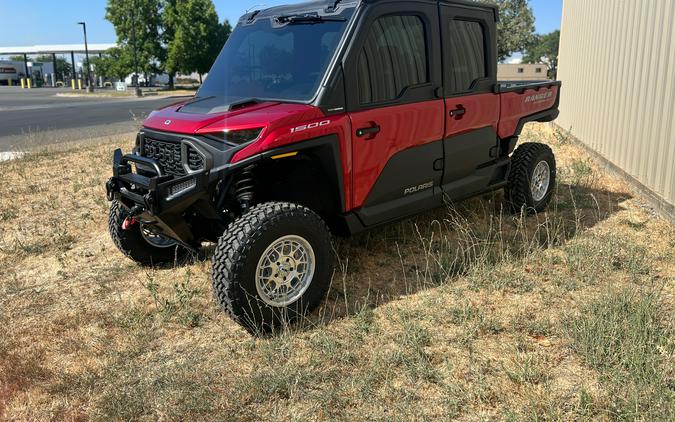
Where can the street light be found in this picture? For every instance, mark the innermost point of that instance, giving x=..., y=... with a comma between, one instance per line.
x=90, y=87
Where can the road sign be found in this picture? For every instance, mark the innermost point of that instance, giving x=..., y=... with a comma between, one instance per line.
x=120, y=86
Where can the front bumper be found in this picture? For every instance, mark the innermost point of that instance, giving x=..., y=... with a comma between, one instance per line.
x=158, y=193
x=171, y=191
x=162, y=199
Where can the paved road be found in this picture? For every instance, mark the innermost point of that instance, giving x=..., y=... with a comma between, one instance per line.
x=39, y=117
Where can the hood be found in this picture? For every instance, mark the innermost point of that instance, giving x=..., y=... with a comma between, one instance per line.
x=209, y=115
x=276, y=119
x=182, y=118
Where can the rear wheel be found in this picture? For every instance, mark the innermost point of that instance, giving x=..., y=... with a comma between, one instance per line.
x=139, y=243
x=532, y=179
x=272, y=266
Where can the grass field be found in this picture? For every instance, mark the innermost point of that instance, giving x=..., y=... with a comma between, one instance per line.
x=466, y=312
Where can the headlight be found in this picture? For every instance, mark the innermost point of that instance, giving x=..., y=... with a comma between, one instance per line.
x=238, y=137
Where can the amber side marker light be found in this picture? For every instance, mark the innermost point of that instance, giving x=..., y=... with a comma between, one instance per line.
x=280, y=156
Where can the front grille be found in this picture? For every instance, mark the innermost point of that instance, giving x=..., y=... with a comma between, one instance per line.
x=167, y=154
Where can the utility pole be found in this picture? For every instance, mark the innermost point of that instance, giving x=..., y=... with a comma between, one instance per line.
x=90, y=86
x=55, y=74
x=139, y=93
x=73, y=70
x=25, y=65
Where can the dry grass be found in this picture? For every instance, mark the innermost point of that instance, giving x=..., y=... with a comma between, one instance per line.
x=463, y=313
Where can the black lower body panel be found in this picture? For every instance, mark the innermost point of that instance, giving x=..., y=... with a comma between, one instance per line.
x=485, y=179
x=488, y=178
x=408, y=184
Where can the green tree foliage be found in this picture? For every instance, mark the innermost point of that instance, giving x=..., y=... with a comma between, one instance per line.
x=142, y=20
x=516, y=27
x=196, y=35
x=117, y=63
x=63, y=66
x=544, y=49
x=171, y=35
x=170, y=21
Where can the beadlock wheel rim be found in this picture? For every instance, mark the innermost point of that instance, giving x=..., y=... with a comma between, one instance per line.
x=156, y=240
x=541, y=180
x=285, y=271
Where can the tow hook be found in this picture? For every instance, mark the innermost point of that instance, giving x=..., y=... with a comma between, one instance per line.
x=111, y=188
x=130, y=220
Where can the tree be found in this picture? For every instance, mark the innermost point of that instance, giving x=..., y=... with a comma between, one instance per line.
x=544, y=49
x=197, y=38
x=116, y=63
x=139, y=22
x=170, y=35
x=63, y=66
x=515, y=29
x=170, y=21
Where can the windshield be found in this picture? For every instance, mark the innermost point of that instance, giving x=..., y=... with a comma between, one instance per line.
x=266, y=60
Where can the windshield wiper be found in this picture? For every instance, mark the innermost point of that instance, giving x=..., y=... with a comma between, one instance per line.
x=309, y=19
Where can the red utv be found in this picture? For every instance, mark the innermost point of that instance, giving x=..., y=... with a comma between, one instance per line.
x=324, y=118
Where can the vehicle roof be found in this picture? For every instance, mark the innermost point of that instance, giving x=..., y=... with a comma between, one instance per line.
x=321, y=5
x=288, y=9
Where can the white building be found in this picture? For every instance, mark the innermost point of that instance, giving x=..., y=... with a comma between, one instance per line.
x=616, y=63
x=522, y=72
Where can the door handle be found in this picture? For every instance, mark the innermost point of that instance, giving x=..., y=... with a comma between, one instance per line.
x=458, y=112
x=373, y=130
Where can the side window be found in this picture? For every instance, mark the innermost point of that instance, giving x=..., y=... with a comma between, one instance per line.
x=466, y=50
x=394, y=57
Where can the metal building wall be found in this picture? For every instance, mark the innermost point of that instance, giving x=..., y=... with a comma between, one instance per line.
x=617, y=64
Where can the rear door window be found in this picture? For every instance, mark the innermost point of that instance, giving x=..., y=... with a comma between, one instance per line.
x=466, y=52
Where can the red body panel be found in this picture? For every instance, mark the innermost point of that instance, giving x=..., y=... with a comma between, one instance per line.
x=402, y=127
x=279, y=122
x=302, y=126
x=515, y=106
x=482, y=110
x=363, y=158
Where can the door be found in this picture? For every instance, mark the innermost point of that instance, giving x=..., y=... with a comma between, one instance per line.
x=469, y=75
x=394, y=101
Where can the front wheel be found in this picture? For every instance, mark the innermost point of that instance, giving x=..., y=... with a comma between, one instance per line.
x=532, y=179
x=272, y=266
x=139, y=243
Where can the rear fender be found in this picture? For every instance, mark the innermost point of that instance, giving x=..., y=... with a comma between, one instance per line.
x=521, y=106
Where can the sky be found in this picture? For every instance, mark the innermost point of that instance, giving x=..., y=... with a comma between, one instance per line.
x=54, y=22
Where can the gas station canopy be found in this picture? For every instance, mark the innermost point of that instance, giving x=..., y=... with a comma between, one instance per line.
x=56, y=49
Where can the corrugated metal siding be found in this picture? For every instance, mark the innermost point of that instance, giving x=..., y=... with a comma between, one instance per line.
x=617, y=64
